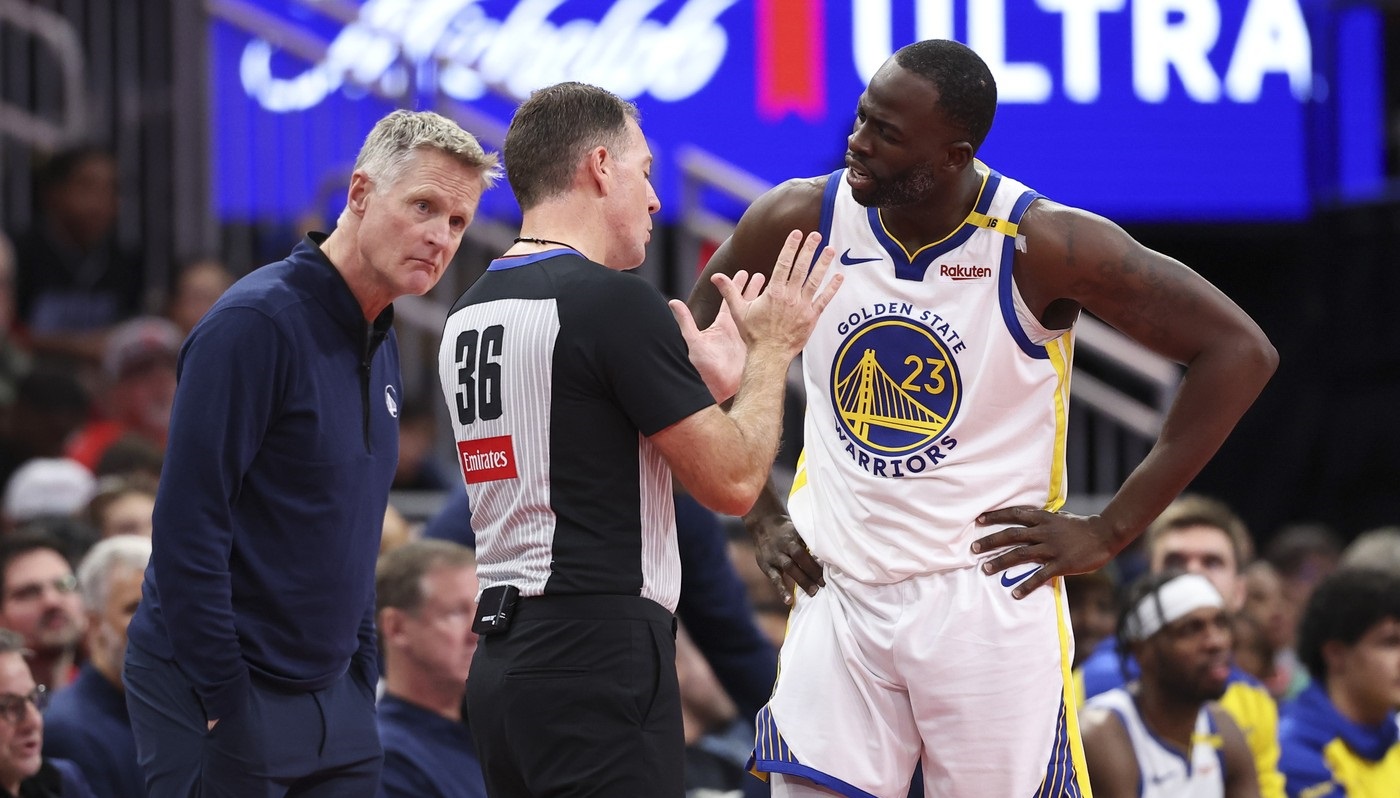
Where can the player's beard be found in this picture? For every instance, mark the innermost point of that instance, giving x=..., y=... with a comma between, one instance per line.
x=1196, y=686
x=911, y=186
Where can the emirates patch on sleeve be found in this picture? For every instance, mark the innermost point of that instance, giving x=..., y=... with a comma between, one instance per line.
x=487, y=459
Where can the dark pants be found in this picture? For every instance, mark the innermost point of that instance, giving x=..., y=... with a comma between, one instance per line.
x=579, y=699
x=321, y=744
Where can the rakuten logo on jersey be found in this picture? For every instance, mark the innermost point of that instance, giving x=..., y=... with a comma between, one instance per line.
x=957, y=272
x=487, y=459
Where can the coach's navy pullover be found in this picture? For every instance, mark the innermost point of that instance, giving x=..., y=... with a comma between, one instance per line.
x=283, y=444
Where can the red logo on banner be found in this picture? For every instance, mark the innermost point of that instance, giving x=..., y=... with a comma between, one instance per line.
x=487, y=459
x=791, y=59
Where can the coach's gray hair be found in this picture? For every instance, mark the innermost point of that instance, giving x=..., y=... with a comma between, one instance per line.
x=397, y=136
x=95, y=571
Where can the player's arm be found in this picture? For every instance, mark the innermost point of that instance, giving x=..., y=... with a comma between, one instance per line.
x=1074, y=260
x=1241, y=780
x=723, y=458
x=1113, y=766
x=793, y=205
x=757, y=240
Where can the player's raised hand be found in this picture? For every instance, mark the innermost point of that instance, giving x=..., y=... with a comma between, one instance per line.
x=784, y=314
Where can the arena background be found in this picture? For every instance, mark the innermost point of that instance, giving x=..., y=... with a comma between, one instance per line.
x=1252, y=139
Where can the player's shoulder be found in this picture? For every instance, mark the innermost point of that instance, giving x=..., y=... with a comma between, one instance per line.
x=792, y=204
x=1054, y=225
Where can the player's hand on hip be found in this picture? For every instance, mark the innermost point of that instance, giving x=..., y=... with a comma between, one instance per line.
x=1062, y=543
x=783, y=556
x=784, y=314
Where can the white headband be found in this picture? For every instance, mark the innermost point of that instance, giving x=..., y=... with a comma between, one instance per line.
x=1175, y=599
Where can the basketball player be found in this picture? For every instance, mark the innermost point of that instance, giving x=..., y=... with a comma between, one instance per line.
x=938, y=384
x=575, y=398
x=1163, y=735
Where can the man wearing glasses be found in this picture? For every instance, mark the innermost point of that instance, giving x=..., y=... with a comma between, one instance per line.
x=39, y=600
x=23, y=770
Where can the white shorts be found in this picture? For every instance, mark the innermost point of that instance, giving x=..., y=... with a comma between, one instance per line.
x=946, y=669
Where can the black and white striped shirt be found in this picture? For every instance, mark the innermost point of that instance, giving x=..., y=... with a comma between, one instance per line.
x=556, y=370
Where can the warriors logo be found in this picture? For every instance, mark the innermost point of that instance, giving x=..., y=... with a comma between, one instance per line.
x=895, y=387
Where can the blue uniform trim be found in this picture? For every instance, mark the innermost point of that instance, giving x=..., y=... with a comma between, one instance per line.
x=904, y=268
x=501, y=264
x=772, y=755
x=1061, y=780
x=1004, y=286
x=833, y=182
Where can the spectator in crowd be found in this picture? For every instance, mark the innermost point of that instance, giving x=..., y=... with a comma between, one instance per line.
x=24, y=771
x=139, y=366
x=87, y=723
x=122, y=505
x=1162, y=735
x=1093, y=610
x=197, y=287
x=1302, y=554
x=74, y=280
x=1204, y=536
x=1374, y=548
x=1339, y=737
x=397, y=530
x=717, y=740
x=1254, y=653
x=14, y=359
x=252, y=663
x=39, y=600
x=50, y=405
x=131, y=455
x=418, y=435
x=426, y=597
x=1264, y=602
x=47, y=487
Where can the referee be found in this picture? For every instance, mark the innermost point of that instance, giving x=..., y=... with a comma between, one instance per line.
x=575, y=397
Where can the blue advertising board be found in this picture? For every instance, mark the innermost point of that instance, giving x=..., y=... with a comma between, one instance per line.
x=1142, y=110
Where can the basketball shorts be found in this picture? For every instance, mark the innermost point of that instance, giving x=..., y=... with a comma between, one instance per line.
x=947, y=669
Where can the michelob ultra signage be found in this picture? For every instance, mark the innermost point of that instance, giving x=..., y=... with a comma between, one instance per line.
x=1143, y=110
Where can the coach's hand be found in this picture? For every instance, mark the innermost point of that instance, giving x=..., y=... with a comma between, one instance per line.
x=783, y=556
x=1062, y=543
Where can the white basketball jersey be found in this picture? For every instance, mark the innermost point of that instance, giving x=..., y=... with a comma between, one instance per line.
x=1163, y=772
x=933, y=394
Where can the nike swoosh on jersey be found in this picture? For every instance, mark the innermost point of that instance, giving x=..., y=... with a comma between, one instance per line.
x=1009, y=580
x=847, y=260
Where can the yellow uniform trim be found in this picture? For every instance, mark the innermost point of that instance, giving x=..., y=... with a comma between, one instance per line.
x=993, y=223
x=1256, y=714
x=799, y=479
x=1360, y=777
x=1076, y=744
x=1061, y=351
x=986, y=173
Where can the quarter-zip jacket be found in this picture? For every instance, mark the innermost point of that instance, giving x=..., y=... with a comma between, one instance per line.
x=283, y=445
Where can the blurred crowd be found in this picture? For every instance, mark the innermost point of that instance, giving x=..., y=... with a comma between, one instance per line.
x=87, y=378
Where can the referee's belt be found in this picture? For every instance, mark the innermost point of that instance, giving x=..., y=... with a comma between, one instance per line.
x=593, y=607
